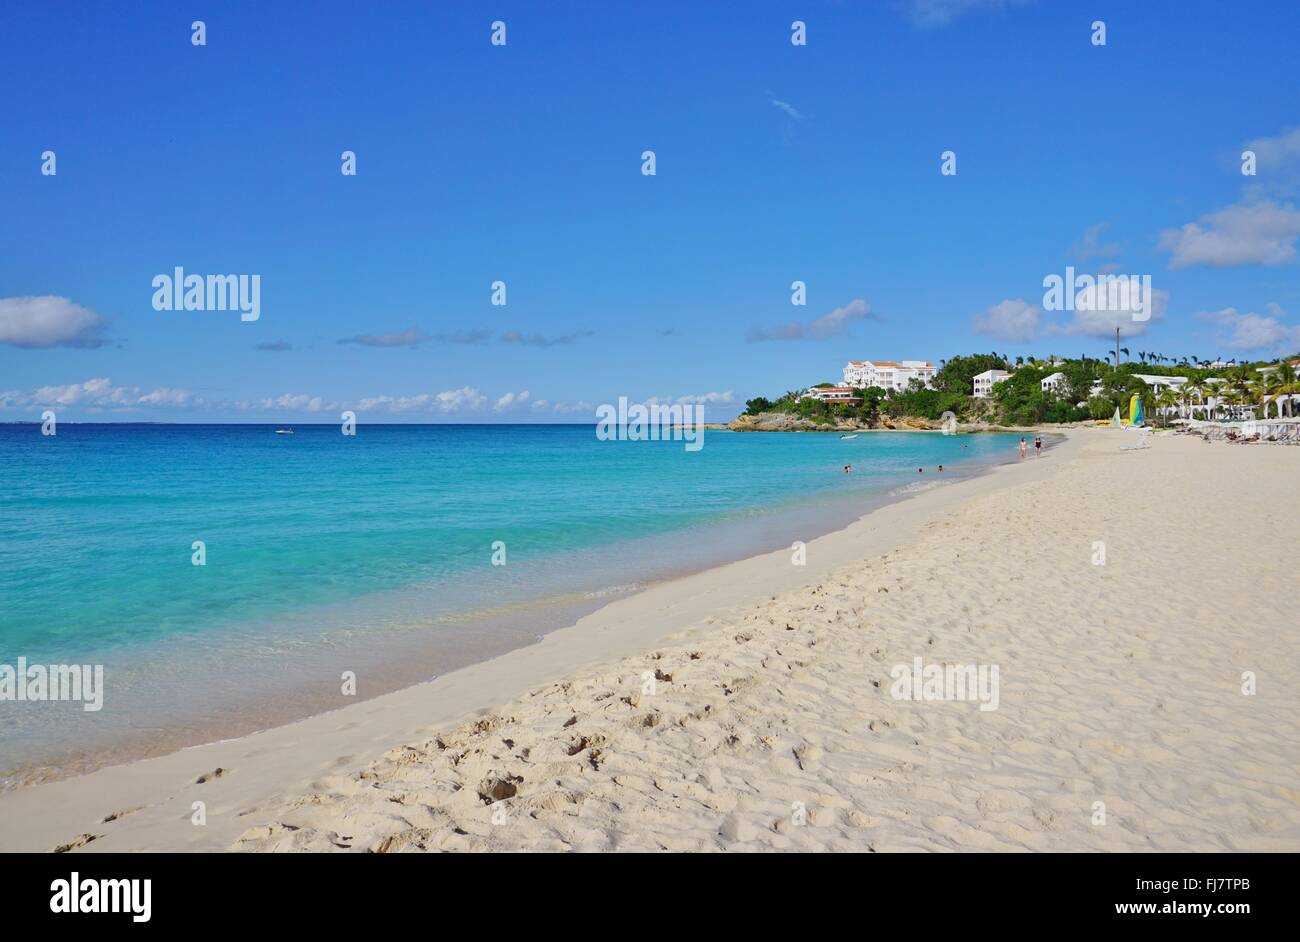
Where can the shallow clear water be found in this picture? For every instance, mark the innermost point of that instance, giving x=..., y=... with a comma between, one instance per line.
x=371, y=553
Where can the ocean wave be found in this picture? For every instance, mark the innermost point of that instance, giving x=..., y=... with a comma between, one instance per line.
x=613, y=590
x=917, y=487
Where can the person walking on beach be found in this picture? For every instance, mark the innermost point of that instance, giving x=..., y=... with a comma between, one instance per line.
x=1024, y=447
x=1038, y=446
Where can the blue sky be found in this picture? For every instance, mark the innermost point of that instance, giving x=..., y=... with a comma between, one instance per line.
x=522, y=163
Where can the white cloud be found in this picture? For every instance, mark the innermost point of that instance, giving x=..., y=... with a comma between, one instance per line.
x=456, y=400
x=929, y=13
x=1013, y=320
x=714, y=398
x=465, y=399
x=100, y=393
x=290, y=402
x=511, y=399
x=1100, y=320
x=1244, y=233
x=788, y=108
x=166, y=397
x=832, y=324
x=1017, y=321
x=708, y=398
x=1251, y=331
x=49, y=321
x=1276, y=154
x=1091, y=246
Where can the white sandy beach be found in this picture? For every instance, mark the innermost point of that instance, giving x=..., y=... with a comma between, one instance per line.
x=770, y=724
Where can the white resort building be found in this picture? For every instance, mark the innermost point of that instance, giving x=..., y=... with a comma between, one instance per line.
x=1054, y=383
x=887, y=374
x=984, y=382
x=1272, y=367
x=1158, y=384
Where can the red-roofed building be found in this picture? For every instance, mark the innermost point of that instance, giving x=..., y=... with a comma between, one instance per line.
x=833, y=394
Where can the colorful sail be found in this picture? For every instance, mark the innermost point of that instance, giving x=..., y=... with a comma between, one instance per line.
x=1114, y=419
x=1135, y=409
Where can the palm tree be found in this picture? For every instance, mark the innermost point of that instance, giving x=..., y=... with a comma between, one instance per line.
x=1205, y=398
x=1263, y=387
x=1166, y=402
x=1234, y=398
x=1240, y=377
x=1287, y=384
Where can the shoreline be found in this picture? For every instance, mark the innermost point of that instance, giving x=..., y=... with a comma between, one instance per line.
x=407, y=660
x=1122, y=706
x=145, y=797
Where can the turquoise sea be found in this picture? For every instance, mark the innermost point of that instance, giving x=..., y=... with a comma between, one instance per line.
x=372, y=553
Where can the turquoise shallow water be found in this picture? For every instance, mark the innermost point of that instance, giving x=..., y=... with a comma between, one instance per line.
x=326, y=550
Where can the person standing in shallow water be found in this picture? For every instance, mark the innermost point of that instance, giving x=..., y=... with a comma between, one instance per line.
x=1024, y=447
x=1038, y=446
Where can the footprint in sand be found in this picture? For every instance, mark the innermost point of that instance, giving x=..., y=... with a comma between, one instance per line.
x=120, y=814
x=77, y=842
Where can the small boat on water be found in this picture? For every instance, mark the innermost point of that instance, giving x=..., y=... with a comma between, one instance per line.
x=284, y=431
x=847, y=438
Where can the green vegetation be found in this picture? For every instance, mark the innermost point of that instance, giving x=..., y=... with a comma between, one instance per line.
x=822, y=412
x=957, y=374
x=924, y=403
x=1091, y=389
